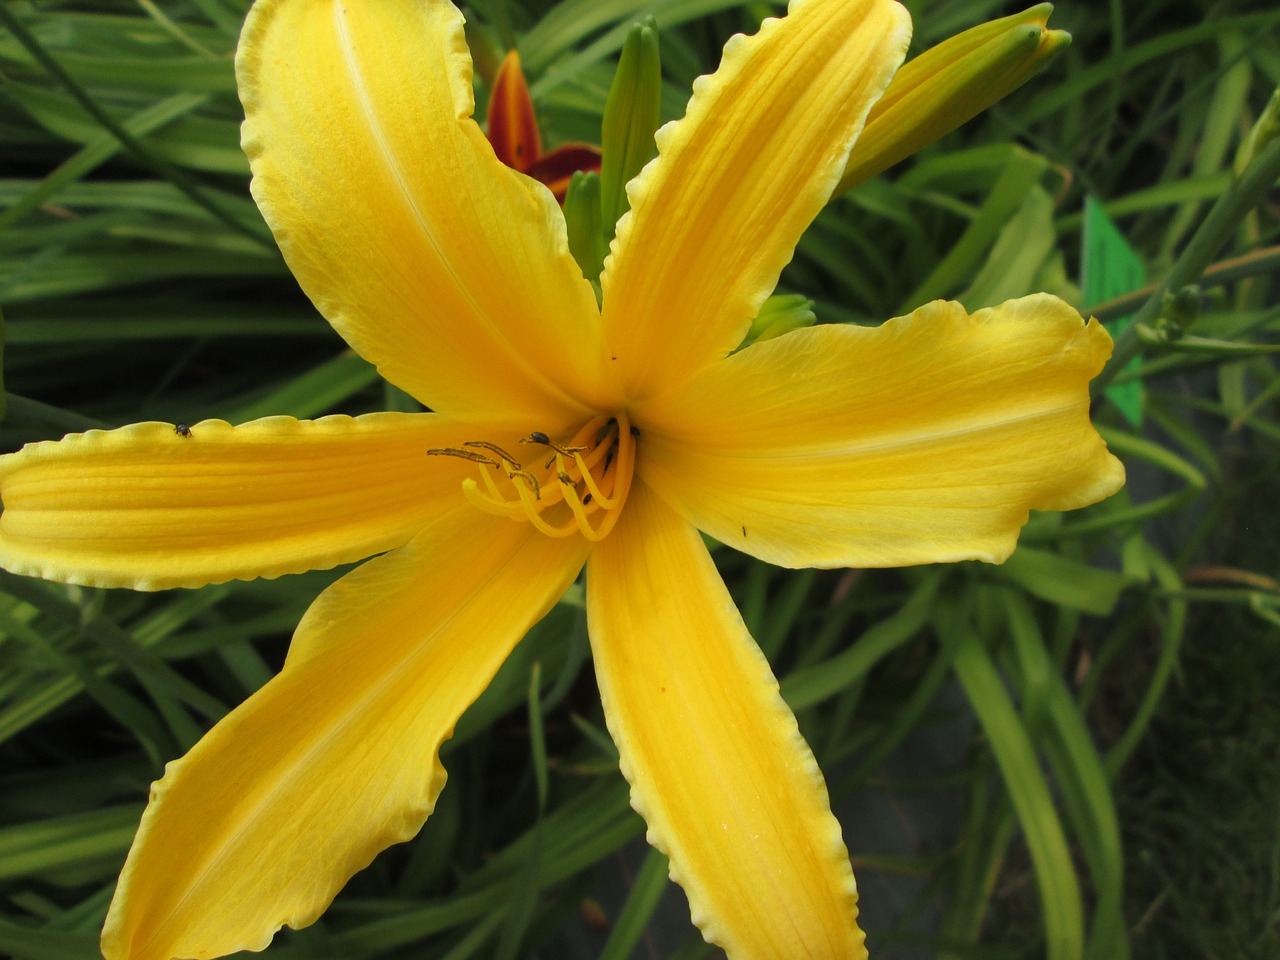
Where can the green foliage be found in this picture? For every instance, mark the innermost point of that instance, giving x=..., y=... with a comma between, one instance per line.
x=1119, y=794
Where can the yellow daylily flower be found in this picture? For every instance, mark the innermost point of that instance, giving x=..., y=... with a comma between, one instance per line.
x=563, y=434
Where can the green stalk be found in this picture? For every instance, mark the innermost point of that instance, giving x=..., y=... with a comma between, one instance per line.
x=1218, y=228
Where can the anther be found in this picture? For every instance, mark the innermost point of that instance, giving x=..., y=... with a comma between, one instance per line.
x=530, y=481
x=494, y=448
x=463, y=454
x=541, y=438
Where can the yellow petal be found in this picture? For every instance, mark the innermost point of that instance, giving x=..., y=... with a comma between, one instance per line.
x=927, y=439
x=337, y=757
x=950, y=84
x=436, y=262
x=716, y=763
x=717, y=215
x=149, y=508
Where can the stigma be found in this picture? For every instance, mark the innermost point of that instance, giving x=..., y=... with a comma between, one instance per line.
x=573, y=485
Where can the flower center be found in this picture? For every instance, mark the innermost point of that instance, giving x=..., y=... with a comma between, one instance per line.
x=573, y=486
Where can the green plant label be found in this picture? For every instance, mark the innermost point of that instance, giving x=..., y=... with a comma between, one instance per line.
x=1110, y=267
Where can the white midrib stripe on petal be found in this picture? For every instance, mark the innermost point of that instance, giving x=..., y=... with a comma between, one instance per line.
x=424, y=224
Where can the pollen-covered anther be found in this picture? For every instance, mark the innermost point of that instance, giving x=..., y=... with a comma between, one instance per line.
x=580, y=488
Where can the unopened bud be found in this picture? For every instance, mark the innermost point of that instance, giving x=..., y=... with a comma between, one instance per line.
x=631, y=116
x=950, y=84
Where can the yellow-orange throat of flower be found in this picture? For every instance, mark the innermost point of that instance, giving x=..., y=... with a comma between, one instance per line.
x=569, y=486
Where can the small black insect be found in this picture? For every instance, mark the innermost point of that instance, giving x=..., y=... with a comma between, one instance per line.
x=539, y=437
x=182, y=430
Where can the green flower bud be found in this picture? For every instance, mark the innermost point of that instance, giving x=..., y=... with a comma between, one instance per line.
x=630, y=119
x=781, y=313
x=950, y=84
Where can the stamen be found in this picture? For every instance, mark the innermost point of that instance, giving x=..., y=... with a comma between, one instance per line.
x=536, y=518
x=580, y=514
x=541, y=438
x=494, y=448
x=626, y=464
x=530, y=481
x=493, y=501
x=463, y=454
x=599, y=497
x=581, y=487
x=500, y=508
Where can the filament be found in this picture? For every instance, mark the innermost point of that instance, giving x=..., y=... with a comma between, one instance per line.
x=580, y=488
